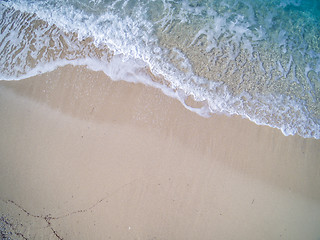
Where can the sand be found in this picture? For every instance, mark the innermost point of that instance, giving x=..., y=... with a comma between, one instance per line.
x=83, y=157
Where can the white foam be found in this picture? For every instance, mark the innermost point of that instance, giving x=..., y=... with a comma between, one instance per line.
x=135, y=47
x=282, y=40
x=232, y=27
x=285, y=3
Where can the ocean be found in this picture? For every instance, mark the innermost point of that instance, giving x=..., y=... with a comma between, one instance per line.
x=254, y=58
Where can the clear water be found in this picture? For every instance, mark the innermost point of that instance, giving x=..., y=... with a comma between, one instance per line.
x=254, y=58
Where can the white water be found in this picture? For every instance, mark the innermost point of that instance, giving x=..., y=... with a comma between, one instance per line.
x=124, y=41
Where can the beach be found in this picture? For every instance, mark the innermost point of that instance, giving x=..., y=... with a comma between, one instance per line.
x=85, y=157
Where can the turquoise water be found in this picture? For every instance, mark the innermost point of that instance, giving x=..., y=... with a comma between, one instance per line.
x=258, y=59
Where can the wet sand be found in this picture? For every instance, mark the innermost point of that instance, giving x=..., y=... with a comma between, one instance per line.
x=83, y=157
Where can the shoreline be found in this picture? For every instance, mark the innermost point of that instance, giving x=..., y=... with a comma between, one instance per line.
x=72, y=137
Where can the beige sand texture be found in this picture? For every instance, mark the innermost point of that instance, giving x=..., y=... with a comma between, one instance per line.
x=83, y=157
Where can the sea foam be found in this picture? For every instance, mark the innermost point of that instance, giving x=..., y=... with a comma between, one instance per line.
x=222, y=53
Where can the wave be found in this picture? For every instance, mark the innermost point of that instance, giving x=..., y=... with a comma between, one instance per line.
x=221, y=53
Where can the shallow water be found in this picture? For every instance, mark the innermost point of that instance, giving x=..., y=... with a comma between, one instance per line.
x=258, y=59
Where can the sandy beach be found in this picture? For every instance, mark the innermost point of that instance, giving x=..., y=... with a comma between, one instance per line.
x=84, y=157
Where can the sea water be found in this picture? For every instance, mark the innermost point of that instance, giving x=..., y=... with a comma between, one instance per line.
x=254, y=58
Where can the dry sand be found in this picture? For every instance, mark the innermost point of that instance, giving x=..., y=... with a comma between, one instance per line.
x=83, y=157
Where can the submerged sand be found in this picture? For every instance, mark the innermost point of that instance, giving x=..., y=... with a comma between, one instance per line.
x=83, y=157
